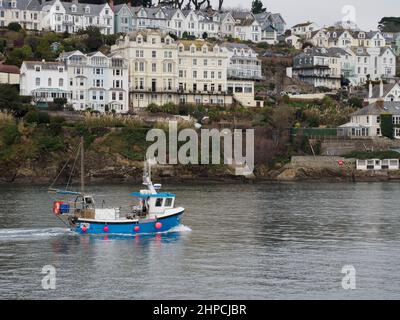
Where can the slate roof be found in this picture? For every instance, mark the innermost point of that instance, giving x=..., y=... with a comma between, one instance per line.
x=392, y=107
x=95, y=9
x=44, y=64
x=386, y=89
x=32, y=5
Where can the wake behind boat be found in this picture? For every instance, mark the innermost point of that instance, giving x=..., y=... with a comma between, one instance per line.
x=154, y=213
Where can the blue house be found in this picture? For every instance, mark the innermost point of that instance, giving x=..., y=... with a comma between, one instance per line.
x=124, y=18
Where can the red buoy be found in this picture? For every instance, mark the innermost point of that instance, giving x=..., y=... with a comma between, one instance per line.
x=158, y=225
x=84, y=229
x=105, y=228
x=136, y=228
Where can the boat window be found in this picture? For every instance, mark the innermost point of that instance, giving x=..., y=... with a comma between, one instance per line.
x=168, y=202
x=159, y=202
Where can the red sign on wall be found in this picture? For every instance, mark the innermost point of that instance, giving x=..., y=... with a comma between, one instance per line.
x=341, y=162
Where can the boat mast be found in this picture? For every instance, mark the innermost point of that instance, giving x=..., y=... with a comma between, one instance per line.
x=82, y=167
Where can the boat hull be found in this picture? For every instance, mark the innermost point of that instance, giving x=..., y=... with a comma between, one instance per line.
x=147, y=226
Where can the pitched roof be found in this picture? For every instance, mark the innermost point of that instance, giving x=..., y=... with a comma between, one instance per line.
x=49, y=65
x=32, y=5
x=391, y=107
x=386, y=89
x=6, y=68
x=95, y=9
x=304, y=24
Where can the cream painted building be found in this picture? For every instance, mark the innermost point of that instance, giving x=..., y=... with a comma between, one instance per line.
x=9, y=74
x=162, y=70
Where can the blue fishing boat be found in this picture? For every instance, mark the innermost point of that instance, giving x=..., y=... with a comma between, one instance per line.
x=154, y=212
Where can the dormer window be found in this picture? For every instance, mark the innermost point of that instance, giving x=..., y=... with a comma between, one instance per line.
x=139, y=39
x=73, y=8
x=37, y=68
x=13, y=4
x=334, y=35
x=87, y=9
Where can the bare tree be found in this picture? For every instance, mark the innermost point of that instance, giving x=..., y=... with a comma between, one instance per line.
x=198, y=3
x=220, y=3
x=179, y=4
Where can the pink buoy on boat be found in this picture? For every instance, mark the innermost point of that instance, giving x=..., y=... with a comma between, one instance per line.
x=158, y=225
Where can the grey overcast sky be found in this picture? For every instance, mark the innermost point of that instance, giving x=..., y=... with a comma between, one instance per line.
x=367, y=12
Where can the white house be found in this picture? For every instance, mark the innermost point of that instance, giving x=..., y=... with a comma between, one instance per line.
x=243, y=62
x=44, y=80
x=247, y=27
x=304, y=29
x=26, y=12
x=97, y=81
x=72, y=16
x=294, y=41
x=366, y=122
x=94, y=81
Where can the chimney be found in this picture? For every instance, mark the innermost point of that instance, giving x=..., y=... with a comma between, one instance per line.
x=380, y=103
x=129, y=4
x=381, y=89
x=370, y=90
x=365, y=103
x=111, y=4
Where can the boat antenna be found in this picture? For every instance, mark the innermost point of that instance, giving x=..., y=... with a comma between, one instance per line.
x=82, y=167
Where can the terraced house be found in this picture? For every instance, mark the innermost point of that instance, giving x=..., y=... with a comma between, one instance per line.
x=162, y=70
x=26, y=12
x=87, y=81
x=72, y=16
x=124, y=19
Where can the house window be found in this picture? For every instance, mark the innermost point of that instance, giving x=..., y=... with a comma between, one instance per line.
x=37, y=81
x=61, y=82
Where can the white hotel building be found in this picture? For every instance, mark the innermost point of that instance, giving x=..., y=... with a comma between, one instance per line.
x=94, y=81
x=162, y=70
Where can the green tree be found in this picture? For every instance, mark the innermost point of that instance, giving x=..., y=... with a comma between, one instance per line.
x=43, y=50
x=93, y=39
x=32, y=117
x=14, y=26
x=18, y=55
x=257, y=7
x=389, y=24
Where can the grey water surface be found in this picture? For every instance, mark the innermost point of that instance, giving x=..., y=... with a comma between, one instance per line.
x=239, y=241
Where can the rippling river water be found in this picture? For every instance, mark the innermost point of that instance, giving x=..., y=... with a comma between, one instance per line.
x=274, y=241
